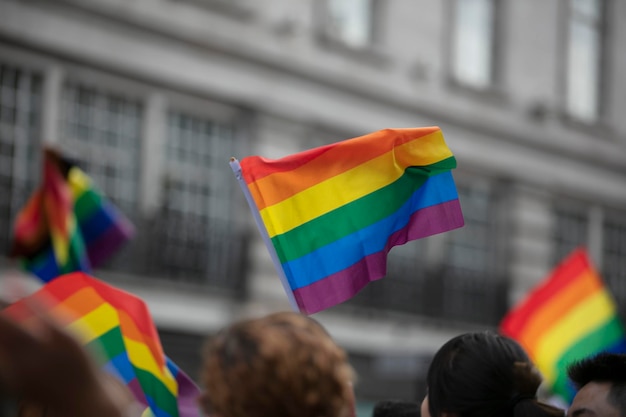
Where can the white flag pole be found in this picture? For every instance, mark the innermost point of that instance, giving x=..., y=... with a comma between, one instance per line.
x=234, y=164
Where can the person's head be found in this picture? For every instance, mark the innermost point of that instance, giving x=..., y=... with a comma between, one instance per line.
x=282, y=365
x=601, y=384
x=396, y=408
x=480, y=375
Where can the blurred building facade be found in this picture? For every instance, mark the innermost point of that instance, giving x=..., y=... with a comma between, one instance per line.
x=154, y=96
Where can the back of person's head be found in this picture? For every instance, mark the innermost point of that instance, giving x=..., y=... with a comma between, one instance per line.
x=603, y=368
x=484, y=374
x=281, y=365
x=396, y=408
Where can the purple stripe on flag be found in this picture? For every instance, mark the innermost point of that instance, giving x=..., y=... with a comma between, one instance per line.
x=187, y=396
x=343, y=285
x=137, y=391
x=100, y=249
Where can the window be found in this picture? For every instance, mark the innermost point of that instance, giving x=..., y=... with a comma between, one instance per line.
x=473, y=42
x=571, y=230
x=20, y=118
x=102, y=131
x=470, y=246
x=198, y=239
x=614, y=260
x=351, y=22
x=584, y=59
x=472, y=289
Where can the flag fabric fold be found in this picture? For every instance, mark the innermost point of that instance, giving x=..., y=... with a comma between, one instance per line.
x=569, y=316
x=67, y=225
x=117, y=328
x=333, y=213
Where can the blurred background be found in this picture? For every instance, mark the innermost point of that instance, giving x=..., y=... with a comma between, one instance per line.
x=154, y=96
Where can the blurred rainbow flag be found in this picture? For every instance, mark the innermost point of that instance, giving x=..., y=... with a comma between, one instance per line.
x=569, y=316
x=67, y=225
x=116, y=327
x=330, y=215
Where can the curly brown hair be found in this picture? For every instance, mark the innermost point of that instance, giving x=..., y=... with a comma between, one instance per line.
x=281, y=365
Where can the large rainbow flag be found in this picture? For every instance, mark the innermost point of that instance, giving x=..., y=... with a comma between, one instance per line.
x=67, y=225
x=117, y=328
x=569, y=316
x=333, y=213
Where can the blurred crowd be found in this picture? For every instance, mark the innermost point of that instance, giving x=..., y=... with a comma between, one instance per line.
x=287, y=365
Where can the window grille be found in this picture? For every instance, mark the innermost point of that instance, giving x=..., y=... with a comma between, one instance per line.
x=471, y=287
x=102, y=131
x=198, y=237
x=614, y=257
x=20, y=122
x=571, y=230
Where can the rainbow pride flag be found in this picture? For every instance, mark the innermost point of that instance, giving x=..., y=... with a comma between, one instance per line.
x=569, y=316
x=117, y=328
x=331, y=214
x=67, y=225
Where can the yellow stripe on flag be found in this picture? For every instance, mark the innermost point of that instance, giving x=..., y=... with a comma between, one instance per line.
x=95, y=323
x=142, y=358
x=346, y=187
x=79, y=182
x=580, y=321
x=276, y=187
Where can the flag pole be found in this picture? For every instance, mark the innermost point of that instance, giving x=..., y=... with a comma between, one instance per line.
x=234, y=164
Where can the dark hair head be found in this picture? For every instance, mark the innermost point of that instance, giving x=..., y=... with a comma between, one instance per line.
x=396, y=408
x=484, y=374
x=604, y=367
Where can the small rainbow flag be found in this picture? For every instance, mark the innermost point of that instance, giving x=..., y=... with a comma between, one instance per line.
x=333, y=213
x=67, y=225
x=117, y=328
x=569, y=316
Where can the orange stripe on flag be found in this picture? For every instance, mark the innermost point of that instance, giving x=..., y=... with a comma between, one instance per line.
x=131, y=331
x=548, y=315
x=272, y=188
x=80, y=303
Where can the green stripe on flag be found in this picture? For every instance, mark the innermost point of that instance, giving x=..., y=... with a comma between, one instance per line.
x=155, y=389
x=107, y=346
x=601, y=338
x=357, y=214
x=86, y=204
